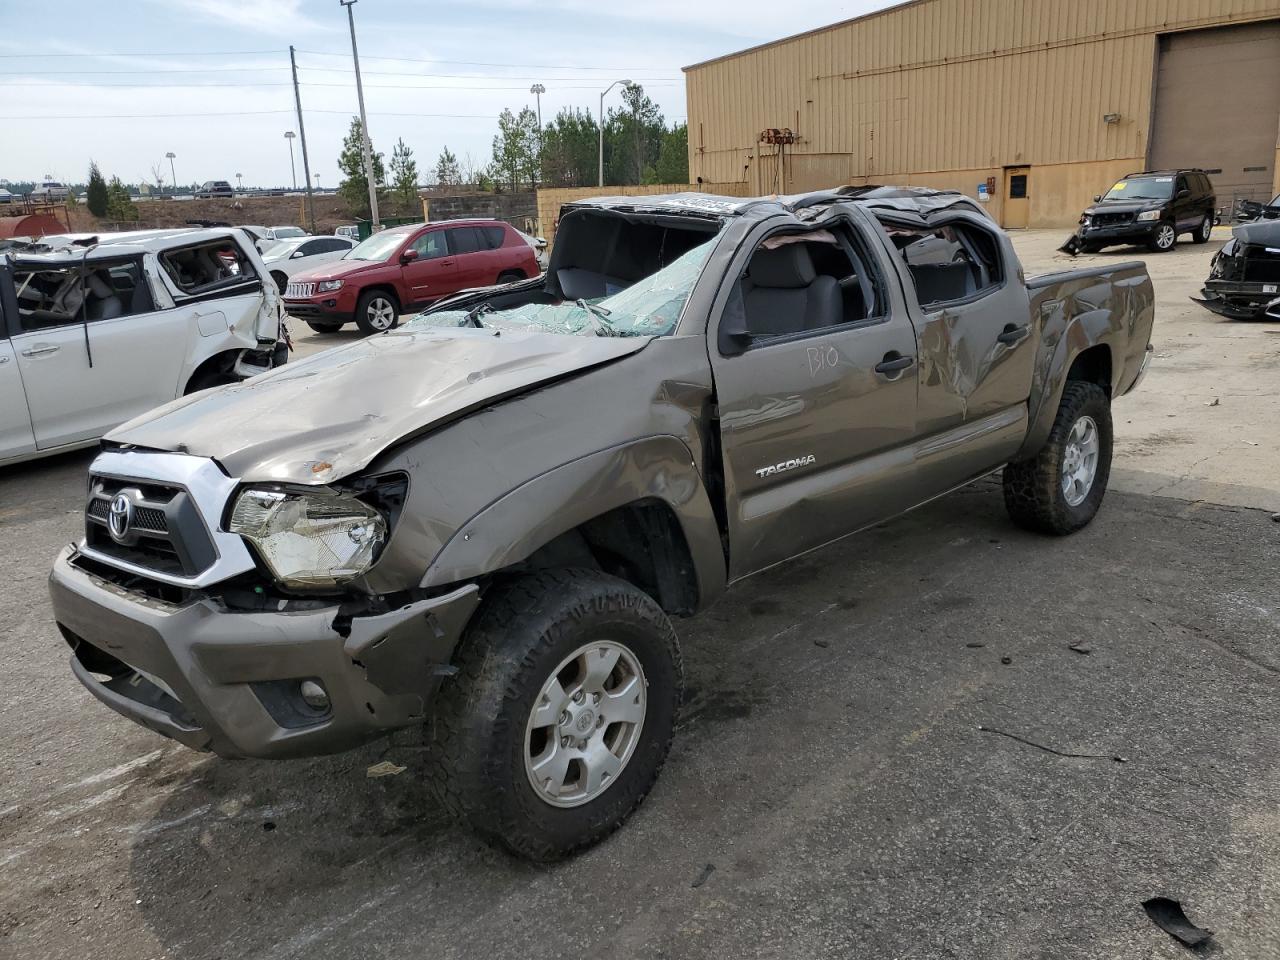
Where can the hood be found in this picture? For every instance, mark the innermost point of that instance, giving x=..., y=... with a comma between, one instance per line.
x=1124, y=206
x=325, y=417
x=339, y=269
x=1265, y=233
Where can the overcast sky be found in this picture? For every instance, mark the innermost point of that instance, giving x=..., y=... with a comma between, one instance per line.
x=211, y=82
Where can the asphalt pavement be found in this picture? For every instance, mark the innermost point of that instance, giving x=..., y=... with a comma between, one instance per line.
x=943, y=738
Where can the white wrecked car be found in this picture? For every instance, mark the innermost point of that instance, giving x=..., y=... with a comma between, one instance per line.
x=96, y=330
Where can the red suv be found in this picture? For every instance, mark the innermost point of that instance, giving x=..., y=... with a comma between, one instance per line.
x=405, y=267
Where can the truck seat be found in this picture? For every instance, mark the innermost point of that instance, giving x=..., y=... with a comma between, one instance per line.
x=783, y=293
x=943, y=281
x=579, y=284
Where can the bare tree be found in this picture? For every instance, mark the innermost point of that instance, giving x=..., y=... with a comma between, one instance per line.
x=157, y=175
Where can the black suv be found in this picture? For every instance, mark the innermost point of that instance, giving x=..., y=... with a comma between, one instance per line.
x=212, y=189
x=1151, y=208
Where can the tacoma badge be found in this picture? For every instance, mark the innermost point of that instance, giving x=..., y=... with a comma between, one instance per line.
x=786, y=465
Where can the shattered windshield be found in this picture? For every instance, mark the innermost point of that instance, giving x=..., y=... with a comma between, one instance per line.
x=1150, y=188
x=648, y=308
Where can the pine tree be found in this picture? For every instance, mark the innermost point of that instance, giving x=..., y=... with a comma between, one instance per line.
x=96, y=195
x=404, y=176
x=119, y=204
x=354, y=188
x=448, y=174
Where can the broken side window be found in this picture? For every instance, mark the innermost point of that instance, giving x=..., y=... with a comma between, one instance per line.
x=950, y=262
x=208, y=267
x=99, y=290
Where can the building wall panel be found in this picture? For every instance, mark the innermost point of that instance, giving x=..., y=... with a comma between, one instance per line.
x=947, y=87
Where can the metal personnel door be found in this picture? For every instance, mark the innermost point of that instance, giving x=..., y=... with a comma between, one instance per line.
x=1017, y=199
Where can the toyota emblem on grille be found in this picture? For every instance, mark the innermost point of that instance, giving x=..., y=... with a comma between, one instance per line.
x=120, y=518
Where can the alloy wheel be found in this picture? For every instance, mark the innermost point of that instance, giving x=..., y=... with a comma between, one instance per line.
x=1080, y=461
x=382, y=313
x=585, y=724
x=1165, y=236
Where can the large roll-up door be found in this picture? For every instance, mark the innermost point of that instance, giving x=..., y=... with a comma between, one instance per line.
x=1218, y=107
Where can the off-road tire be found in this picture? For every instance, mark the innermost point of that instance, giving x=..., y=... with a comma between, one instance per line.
x=1033, y=491
x=1204, y=231
x=511, y=276
x=363, y=320
x=321, y=327
x=476, y=736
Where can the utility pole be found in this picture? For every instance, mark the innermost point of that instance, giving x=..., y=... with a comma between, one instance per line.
x=364, y=123
x=625, y=83
x=170, y=155
x=293, y=171
x=302, y=135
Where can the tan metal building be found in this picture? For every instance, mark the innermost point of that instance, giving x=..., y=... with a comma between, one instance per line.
x=1041, y=103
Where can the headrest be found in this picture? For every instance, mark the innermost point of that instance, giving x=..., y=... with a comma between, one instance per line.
x=99, y=286
x=788, y=267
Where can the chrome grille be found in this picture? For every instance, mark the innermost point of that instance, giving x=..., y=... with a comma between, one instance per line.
x=165, y=533
x=299, y=291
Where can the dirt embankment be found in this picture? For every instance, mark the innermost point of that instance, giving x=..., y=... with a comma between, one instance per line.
x=331, y=211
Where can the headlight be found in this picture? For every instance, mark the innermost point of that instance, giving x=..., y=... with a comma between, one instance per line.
x=325, y=286
x=1085, y=220
x=310, y=539
x=1150, y=215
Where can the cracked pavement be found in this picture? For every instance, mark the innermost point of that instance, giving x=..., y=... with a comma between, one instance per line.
x=830, y=763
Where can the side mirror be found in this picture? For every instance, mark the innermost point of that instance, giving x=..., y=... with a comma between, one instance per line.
x=409, y=256
x=1097, y=198
x=1183, y=193
x=733, y=338
x=296, y=254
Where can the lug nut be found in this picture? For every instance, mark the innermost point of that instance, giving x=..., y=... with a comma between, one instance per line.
x=595, y=698
x=579, y=696
x=566, y=742
x=564, y=718
x=599, y=722
x=582, y=745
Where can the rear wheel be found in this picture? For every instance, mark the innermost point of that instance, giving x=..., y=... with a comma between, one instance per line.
x=1061, y=488
x=321, y=327
x=1164, y=239
x=377, y=311
x=1204, y=231
x=510, y=276
x=561, y=715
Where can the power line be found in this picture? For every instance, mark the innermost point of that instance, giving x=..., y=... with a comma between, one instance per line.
x=242, y=113
x=124, y=73
x=147, y=53
x=480, y=63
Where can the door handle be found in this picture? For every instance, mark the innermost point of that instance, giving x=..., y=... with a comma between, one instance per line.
x=40, y=351
x=894, y=362
x=4, y=359
x=446, y=263
x=1012, y=334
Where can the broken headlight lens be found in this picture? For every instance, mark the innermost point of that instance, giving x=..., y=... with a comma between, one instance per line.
x=310, y=539
x=1150, y=214
x=327, y=286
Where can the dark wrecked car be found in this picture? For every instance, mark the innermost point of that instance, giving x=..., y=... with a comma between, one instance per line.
x=1244, y=276
x=1151, y=208
x=480, y=524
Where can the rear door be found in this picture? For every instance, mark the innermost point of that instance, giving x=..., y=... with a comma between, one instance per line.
x=471, y=247
x=16, y=438
x=970, y=310
x=1186, y=206
x=817, y=407
x=434, y=272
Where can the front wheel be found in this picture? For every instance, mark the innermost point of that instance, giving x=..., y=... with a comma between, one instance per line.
x=377, y=311
x=320, y=327
x=1164, y=239
x=1061, y=488
x=1204, y=231
x=281, y=280
x=561, y=715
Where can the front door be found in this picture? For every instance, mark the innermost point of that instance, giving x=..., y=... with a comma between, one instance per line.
x=1017, y=199
x=15, y=422
x=817, y=396
x=434, y=274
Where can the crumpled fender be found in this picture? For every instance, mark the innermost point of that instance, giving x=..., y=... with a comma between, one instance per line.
x=1112, y=306
x=512, y=528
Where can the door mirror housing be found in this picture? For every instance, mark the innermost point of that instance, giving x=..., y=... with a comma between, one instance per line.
x=409, y=256
x=1097, y=198
x=1183, y=193
x=296, y=254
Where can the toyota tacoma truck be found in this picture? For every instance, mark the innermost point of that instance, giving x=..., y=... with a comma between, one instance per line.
x=481, y=524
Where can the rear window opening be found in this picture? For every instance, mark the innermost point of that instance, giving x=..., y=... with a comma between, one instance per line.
x=57, y=296
x=207, y=267
x=950, y=262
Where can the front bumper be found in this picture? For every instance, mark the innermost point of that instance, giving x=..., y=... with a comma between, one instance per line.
x=227, y=681
x=320, y=309
x=1117, y=233
x=1237, y=299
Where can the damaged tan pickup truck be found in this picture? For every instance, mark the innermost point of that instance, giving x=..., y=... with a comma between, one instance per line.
x=479, y=524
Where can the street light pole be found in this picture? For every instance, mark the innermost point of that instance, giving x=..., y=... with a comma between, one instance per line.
x=239, y=184
x=293, y=171
x=538, y=90
x=364, y=123
x=170, y=155
x=625, y=83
